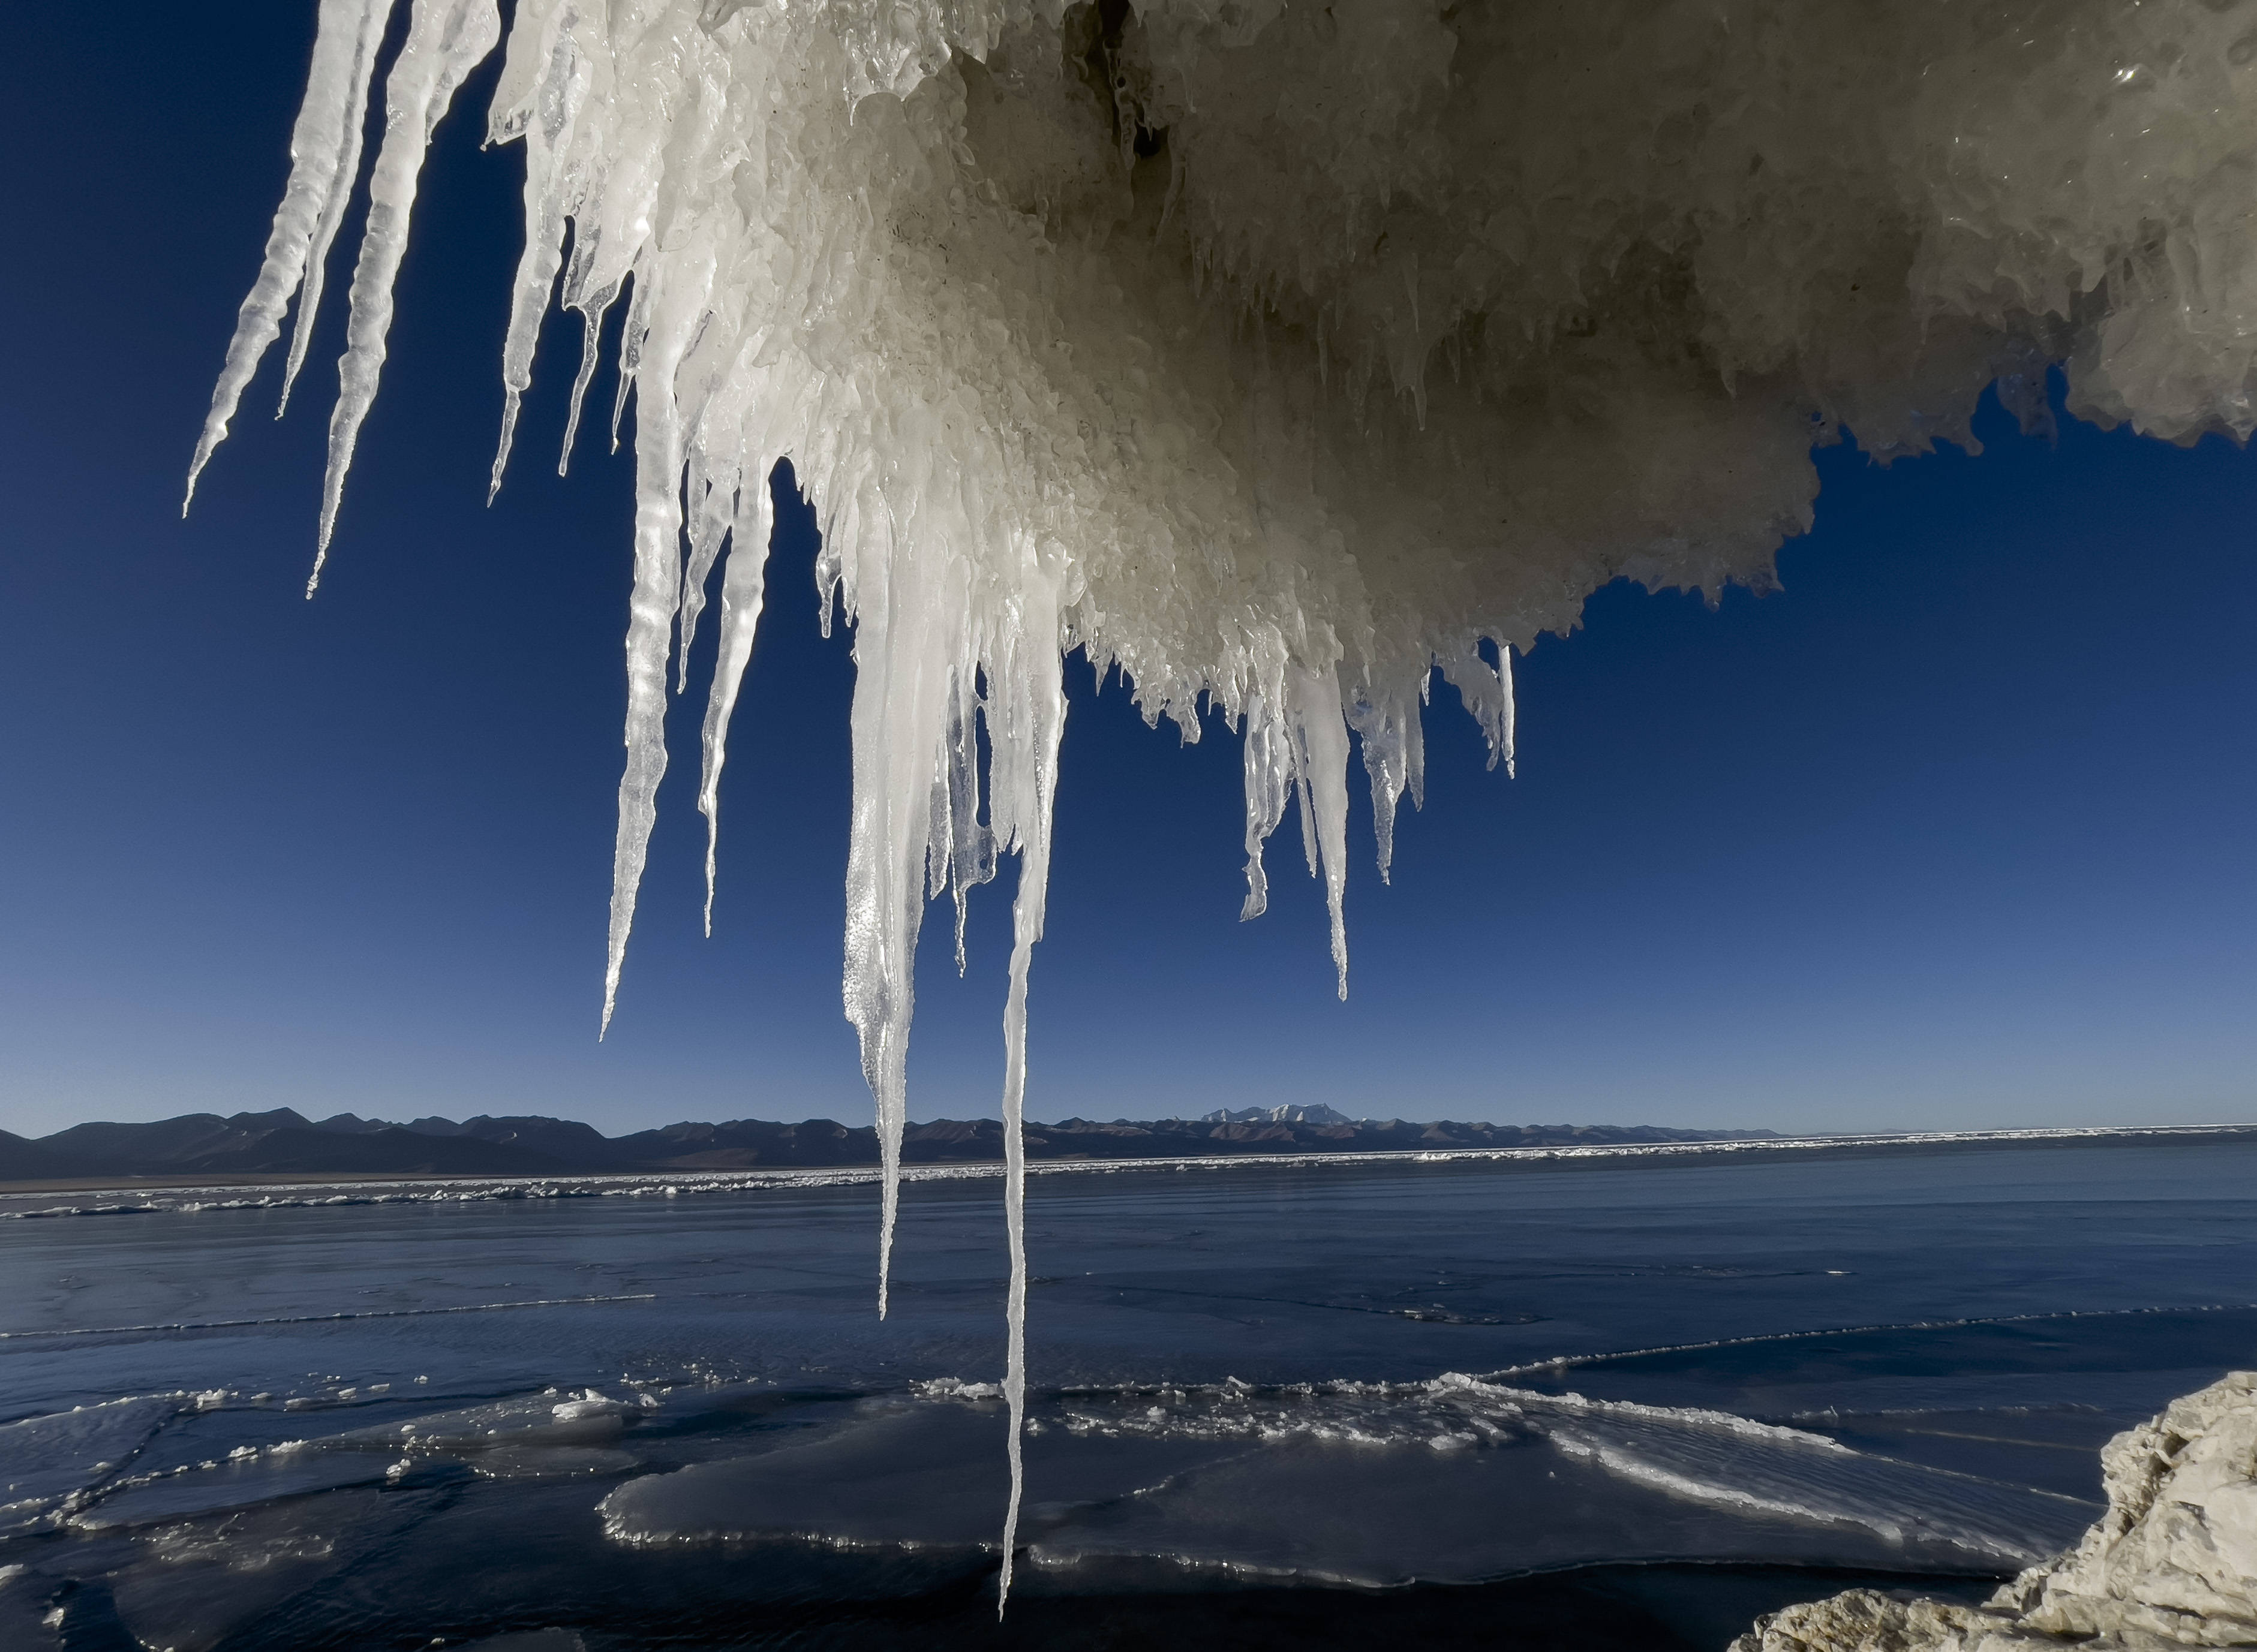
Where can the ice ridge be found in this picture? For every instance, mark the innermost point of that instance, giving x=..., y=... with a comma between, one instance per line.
x=1277, y=353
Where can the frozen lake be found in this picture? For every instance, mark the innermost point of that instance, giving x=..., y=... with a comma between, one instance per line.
x=1306, y=1405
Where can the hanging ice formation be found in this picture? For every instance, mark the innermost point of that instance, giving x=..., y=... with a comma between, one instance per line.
x=1275, y=353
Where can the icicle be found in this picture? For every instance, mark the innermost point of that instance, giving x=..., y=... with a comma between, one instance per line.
x=324, y=159
x=333, y=209
x=559, y=99
x=544, y=80
x=910, y=627
x=970, y=847
x=743, y=583
x=1305, y=815
x=1323, y=750
x=713, y=507
x=446, y=40
x=1269, y=779
x=1026, y=745
x=1300, y=753
x=592, y=315
x=630, y=354
x=1387, y=723
x=651, y=608
x=1506, y=721
x=1487, y=693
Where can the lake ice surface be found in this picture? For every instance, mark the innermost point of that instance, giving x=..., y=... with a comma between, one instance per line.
x=1637, y=1401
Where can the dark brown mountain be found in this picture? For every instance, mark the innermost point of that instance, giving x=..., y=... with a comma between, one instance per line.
x=280, y=1142
x=284, y=1142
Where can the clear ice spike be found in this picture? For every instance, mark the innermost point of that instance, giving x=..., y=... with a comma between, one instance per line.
x=324, y=160
x=744, y=581
x=1026, y=722
x=446, y=40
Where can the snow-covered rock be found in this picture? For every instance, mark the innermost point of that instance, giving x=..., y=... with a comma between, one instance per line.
x=2172, y=1563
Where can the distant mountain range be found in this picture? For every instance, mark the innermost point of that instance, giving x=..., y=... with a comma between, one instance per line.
x=286, y=1142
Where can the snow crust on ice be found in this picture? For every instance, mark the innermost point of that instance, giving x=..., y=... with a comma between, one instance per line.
x=554, y=1418
x=1375, y=1483
x=1692, y=1454
x=1275, y=354
x=1457, y=1479
x=51, y=1467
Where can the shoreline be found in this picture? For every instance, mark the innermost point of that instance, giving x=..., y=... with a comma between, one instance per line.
x=1597, y=1156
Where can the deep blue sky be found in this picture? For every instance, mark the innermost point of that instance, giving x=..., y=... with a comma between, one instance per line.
x=1955, y=832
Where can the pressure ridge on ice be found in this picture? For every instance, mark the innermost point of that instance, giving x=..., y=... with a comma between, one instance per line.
x=1277, y=354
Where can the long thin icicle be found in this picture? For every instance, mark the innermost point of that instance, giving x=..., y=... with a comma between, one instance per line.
x=333, y=209
x=1032, y=717
x=544, y=83
x=547, y=131
x=324, y=160
x=1269, y=772
x=743, y=583
x=671, y=316
x=446, y=40
x=591, y=319
x=1505, y=729
x=901, y=689
x=1323, y=741
x=1386, y=720
x=631, y=339
x=713, y=507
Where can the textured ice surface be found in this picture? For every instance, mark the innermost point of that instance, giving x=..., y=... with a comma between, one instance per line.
x=1378, y=1483
x=555, y=1417
x=1689, y=1305
x=44, y=1461
x=1277, y=353
x=912, y=1475
x=1696, y=1455
x=200, y=1581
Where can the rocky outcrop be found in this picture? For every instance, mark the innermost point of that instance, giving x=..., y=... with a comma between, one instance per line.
x=2172, y=1564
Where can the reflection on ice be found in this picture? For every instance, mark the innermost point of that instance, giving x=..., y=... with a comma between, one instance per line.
x=555, y=1462
x=25, y=1619
x=910, y=1474
x=201, y=1581
x=241, y=1483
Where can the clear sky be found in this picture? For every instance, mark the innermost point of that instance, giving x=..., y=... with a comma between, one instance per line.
x=1956, y=831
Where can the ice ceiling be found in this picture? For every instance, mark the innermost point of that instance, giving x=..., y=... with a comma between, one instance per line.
x=1277, y=353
